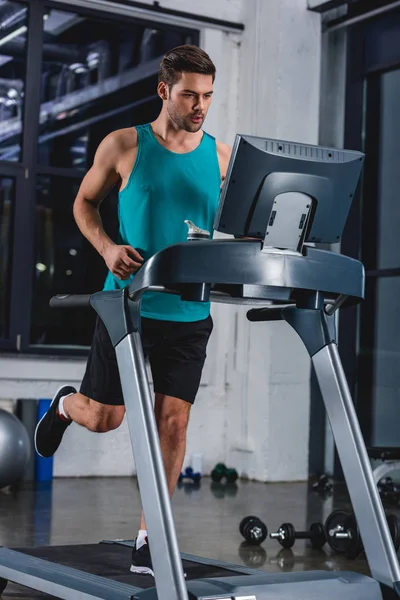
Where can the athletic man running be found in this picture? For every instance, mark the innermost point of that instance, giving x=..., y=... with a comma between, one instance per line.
x=166, y=171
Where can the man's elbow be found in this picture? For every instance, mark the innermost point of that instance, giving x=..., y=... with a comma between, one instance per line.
x=82, y=204
x=77, y=205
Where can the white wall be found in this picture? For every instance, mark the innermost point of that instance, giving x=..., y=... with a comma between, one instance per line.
x=279, y=98
x=252, y=410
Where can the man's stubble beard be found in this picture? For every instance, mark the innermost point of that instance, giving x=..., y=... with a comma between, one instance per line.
x=181, y=121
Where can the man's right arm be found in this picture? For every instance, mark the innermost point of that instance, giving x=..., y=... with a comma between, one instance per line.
x=97, y=183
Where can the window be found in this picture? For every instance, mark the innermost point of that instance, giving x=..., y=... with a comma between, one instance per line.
x=369, y=334
x=61, y=264
x=13, y=30
x=64, y=263
x=67, y=79
x=95, y=73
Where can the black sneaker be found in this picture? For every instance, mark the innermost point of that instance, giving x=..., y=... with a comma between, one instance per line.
x=50, y=429
x=141, y=560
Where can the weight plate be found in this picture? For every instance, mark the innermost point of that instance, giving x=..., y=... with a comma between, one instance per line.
x=247, y=527
x=394, y=530
x=318, y=537
x=220, y=467
x=355, y=545
x=335, y=521
x=231, y=475
x=255, y=532
x=216, y=476
x=244, y=522
x=290, y=535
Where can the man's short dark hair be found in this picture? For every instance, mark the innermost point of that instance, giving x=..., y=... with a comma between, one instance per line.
x=184, y=59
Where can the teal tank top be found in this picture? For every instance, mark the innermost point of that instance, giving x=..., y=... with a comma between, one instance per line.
x=164, y=189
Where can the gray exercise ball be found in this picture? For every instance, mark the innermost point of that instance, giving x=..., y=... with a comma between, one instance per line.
x=15, y=448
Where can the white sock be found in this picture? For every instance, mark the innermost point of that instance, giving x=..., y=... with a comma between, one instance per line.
x=60, y=407
x=141, y=538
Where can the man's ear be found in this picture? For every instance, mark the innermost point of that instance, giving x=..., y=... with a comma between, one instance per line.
x=162, y=90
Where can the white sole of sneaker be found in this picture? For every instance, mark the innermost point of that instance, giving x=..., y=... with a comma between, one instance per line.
x=144, y=571
x=37, y=426
x=141, y=570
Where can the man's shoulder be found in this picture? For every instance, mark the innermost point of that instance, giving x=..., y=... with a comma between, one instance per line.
x=223, y=149
x=224, y=152
x=221, y=146
x=115, y=146
x=122, y=139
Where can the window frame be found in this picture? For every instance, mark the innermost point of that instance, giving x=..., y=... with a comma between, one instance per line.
x=356, y=325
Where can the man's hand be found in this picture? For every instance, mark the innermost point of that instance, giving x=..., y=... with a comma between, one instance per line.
x=122, y=261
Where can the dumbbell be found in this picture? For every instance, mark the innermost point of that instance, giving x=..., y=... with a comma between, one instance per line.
x=220, y=472
x=323, y=484
x=334, y=525
x=253, y=530
x=189, y=474
x=386, y=483
x=343, y=534
x=287, y=535
x=388, y=490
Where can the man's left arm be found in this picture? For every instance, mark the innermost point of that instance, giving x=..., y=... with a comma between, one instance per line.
x=224, y=154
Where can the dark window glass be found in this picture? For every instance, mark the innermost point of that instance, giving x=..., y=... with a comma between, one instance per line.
x=388, y=250
x=385, y=363
x=7, y=198
x=13, y=34
x=65, y=263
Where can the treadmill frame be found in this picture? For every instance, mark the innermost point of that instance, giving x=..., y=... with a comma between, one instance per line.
x=316, y=330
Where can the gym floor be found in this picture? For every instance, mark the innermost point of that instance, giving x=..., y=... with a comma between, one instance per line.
x=82, y=511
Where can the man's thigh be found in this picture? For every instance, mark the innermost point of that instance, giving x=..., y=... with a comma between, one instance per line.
x=177, y=359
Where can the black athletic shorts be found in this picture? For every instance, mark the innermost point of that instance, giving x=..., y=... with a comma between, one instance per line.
x=176, y=352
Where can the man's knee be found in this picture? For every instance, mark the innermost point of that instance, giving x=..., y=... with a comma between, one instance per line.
x=104, y=418
x=173, y=419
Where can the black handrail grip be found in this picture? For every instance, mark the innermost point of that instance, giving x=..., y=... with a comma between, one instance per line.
x=70, y=301
x=265, y=314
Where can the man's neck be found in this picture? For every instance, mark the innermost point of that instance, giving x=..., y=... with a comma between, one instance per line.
x=170, y=133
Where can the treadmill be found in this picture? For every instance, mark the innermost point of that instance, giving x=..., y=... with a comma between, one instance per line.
x=279, y=199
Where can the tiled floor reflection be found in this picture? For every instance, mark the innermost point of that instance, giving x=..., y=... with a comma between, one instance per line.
x=78, y=511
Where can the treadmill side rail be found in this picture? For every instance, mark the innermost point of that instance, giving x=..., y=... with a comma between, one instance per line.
x=313, y=328
x=60, y=581
x=367, y=505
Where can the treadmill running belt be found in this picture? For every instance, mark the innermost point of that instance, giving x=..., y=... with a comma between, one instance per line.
x=113, y=562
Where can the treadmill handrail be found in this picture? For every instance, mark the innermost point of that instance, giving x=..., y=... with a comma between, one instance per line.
x=70, y=301
x=257, y=314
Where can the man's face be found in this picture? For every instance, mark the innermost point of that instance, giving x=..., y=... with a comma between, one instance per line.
x=189, y=99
